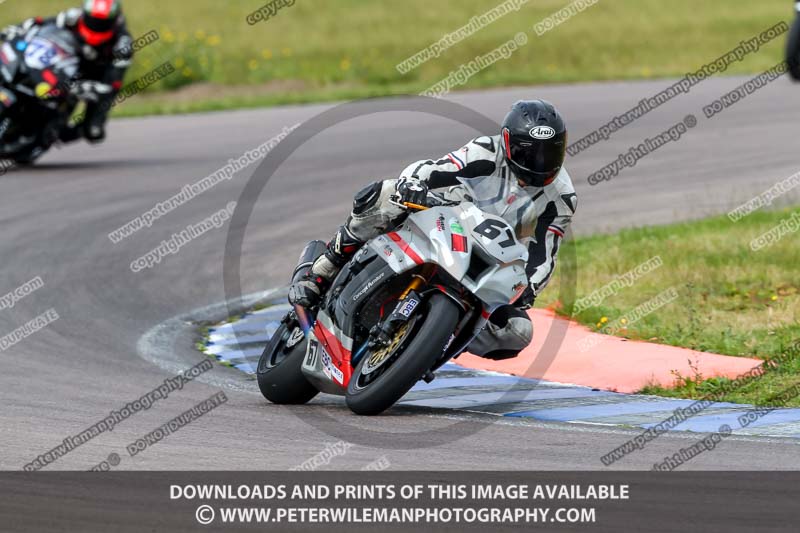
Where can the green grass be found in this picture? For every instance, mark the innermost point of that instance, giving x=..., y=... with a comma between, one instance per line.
x=322, y=50
x=732, y=300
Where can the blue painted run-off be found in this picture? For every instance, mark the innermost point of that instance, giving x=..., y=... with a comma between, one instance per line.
x=240, y=344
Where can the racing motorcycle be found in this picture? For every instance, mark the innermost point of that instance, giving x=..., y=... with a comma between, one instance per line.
x=408, y=302
x=39, y=91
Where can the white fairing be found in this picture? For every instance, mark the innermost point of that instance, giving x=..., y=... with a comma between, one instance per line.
x=50, y=47
x=42, y=53
x=450, y=237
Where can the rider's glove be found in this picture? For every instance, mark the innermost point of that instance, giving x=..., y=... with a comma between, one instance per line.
x=412, y=190
x=527, y=300
x=10, y=33
x=89, y=90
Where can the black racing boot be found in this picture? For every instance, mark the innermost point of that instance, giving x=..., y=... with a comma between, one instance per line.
x=70, y=134
x=309, y=290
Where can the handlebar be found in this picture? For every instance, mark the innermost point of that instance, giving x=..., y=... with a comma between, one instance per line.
x=415, y=207
x=432, y=200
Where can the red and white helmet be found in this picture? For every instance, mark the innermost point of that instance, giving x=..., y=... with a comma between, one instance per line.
x=99, y=20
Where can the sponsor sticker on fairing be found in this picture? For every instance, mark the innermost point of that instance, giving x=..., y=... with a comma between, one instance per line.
x=330, y=369
x=408, y=307
x=368, y=286
x=459, y=241
x=311, y=354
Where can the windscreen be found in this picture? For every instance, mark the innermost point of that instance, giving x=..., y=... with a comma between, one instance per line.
x=52, y=48
x=503, y=198
x=42, y=53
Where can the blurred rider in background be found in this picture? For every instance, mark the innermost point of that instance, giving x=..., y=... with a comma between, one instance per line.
x=105, y=53
x=793, y=46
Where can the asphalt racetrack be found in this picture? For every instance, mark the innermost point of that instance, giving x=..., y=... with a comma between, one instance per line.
x=56, y=218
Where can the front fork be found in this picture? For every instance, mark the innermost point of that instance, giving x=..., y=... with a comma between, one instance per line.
x=382, y=334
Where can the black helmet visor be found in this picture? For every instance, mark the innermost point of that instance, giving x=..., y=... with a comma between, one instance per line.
x=99, y=25
x=539, y=156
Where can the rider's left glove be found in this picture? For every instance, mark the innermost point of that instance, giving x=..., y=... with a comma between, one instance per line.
x=9, y=33
x=89, y=90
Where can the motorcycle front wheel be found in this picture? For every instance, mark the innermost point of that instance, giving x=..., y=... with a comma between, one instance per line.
x=279, y=373
x=384, y=376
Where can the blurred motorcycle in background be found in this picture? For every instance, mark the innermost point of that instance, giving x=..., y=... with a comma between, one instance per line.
x=39, y=91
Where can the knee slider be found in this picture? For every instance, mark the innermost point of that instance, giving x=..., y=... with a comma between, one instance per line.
x=511, y=339
x=521, y=329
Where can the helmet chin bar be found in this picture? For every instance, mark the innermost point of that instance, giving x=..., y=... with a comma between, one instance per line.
x=91, y=37
x=530, y=178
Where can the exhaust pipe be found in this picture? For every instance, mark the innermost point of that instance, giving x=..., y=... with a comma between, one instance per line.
x=311, y=253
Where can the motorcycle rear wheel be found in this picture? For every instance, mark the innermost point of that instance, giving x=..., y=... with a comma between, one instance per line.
x=415, y=354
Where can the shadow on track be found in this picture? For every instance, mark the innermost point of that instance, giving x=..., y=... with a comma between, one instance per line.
x=88, y=165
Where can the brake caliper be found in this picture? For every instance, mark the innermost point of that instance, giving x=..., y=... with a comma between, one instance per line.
x=382, y=334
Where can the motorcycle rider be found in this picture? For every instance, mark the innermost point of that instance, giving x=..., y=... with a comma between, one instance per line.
x=793, y=45
x=530, y=149
x=105, y=52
